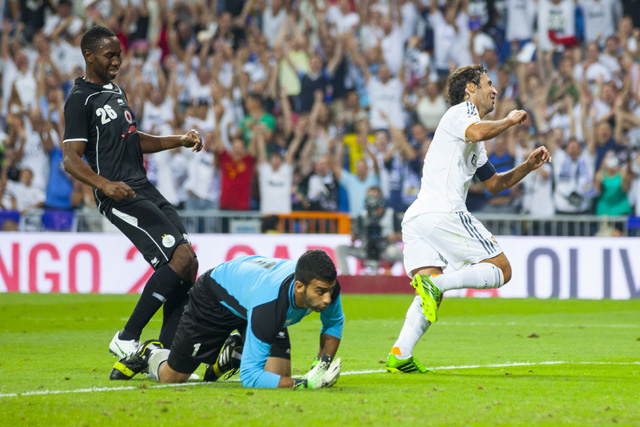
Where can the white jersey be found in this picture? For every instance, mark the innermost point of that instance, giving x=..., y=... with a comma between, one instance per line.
x=450, y=163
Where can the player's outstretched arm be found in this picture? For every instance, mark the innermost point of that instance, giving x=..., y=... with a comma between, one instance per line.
x=501, y=181
x=488, y=129
x=153, y=144
x=72, y=152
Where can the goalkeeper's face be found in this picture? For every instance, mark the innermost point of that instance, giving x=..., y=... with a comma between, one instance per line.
x=317, y=295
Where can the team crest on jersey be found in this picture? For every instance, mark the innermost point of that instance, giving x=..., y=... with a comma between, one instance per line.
x=168, y=240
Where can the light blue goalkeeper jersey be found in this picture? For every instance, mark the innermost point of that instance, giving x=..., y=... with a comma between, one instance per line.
x=260, y=290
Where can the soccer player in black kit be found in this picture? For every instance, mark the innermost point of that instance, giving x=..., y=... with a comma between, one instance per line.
x=101, y=126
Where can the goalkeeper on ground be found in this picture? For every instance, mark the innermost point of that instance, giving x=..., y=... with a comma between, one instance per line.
x=259, y=297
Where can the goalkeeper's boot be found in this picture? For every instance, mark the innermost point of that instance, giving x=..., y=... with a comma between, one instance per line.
x=122, y=348
x=228, y=362
x=405, y=366
x=430, y=296
x=129, y=366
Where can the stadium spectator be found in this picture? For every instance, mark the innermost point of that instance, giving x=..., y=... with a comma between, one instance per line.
x=236, y=173
x=244, y=295
x=501, y=154
x=356, y=185
x=451, y=36
x=573, y=169
x=377, y=230
x=612, y=183
x=431, y=106
x=322, y=192
x=599, y=17
x=275, y=173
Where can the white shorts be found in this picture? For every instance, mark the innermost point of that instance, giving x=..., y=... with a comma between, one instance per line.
x=451, y=239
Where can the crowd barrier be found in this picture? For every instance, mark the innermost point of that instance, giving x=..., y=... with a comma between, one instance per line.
x=249, y=222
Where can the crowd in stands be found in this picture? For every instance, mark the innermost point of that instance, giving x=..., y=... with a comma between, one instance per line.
x=306, y=104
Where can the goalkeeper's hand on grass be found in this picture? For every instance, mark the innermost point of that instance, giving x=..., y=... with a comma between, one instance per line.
x=324, y=373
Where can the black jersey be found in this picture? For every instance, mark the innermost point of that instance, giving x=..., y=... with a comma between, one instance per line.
x=101, y=117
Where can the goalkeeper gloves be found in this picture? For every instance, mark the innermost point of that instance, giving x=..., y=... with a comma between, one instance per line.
x=324, y=373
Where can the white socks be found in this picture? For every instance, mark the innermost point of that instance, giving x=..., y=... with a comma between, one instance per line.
x=415, y=325
x=157, y=358
x=483, y=275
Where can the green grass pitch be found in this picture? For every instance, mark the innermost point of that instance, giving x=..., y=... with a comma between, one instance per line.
x=498, y=362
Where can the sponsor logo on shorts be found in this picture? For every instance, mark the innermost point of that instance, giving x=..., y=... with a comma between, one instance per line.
x=168, y=240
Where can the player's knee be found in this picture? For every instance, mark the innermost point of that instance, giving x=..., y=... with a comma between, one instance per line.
x=184, y=262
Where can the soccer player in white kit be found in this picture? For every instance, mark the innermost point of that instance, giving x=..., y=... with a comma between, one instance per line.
x=437, y=229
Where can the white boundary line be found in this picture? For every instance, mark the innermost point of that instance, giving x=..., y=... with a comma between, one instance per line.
x=374, y=371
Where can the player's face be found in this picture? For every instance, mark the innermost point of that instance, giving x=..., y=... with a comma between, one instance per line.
x=317, y=295
x=105, y=61
x=486, y=94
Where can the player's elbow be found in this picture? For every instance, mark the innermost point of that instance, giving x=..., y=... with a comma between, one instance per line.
x=67, y=163
x=250, y=378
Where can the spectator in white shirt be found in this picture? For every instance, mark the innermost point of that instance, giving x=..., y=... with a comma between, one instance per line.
x=341, y=19
x=600, y=17
x=273, y=18
x=275, y=173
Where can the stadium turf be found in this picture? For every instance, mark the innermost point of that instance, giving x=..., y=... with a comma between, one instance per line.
x=498, y=362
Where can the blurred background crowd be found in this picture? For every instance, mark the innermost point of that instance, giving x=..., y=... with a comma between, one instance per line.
x=306, y=105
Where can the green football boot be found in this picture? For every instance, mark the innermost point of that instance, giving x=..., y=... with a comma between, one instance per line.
x=406, y=366
x=430, y=295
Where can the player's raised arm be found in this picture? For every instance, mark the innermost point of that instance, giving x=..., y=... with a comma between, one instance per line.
x=485, y=130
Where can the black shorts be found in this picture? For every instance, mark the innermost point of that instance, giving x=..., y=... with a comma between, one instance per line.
x=150, y=222
x=204, y=327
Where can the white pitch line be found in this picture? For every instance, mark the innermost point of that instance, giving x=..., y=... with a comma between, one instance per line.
x=374, y=371
x=555, y=325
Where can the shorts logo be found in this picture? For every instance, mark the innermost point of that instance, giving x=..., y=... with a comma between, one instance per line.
x=168, y=240
x=154, y=261
x=474, y=160
x=128, y=116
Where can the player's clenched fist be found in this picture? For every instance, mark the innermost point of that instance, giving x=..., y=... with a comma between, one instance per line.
x=118, y=191
x=192, y=139
x=517, y=116
x=538, y=157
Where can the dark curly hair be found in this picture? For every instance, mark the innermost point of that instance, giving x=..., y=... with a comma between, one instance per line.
x=458, y=82
x=92, y=37
x=315, y=264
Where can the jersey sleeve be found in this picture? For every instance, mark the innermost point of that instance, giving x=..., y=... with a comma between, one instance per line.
x=76, y=124
x=254, y=356
x=466, y=115
x=264, y=322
